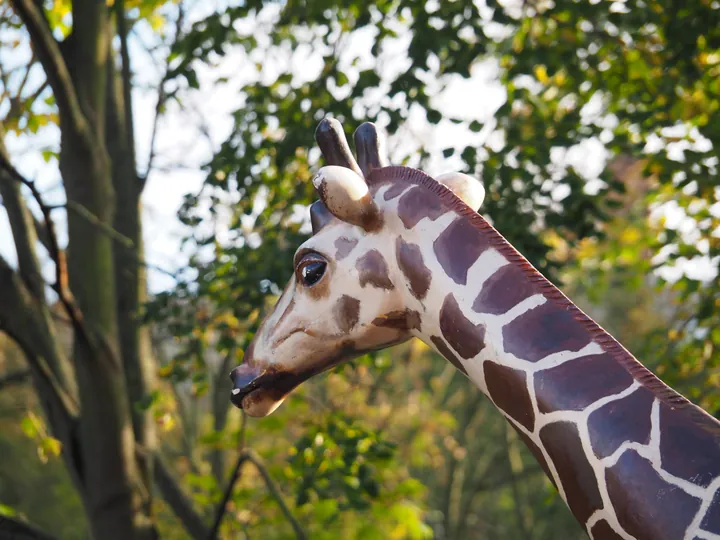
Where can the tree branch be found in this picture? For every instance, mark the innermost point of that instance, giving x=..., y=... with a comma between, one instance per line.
x=14, y=529
x=42, y=233
x=222, y=507
x=14, y=377
x=61, y=286
x=22, y=225
x=178, y=502
x=58, y=256
x=275, y=493
x=162, y=96
x=21, y=319
x=56, y=70
x=122, y=32
x=248, y=454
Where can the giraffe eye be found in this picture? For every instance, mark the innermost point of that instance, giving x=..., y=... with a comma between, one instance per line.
x=312, y=272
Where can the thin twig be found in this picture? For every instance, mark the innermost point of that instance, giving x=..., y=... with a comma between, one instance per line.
x=57, y=255
x=91, y=218
x=275, y=492
x=56, y=70
x=242, y=457
x=173, y=495
x=108, y=230
x=162, y=95
x=62, y=285
x=249, y=455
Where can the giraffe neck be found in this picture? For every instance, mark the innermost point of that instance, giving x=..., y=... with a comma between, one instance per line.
x=631, y=457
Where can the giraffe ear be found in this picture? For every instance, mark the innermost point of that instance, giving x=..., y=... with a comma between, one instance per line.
x=470, y=190
x=347, y=197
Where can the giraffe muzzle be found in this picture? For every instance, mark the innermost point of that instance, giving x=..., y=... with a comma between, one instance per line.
x=258, y=392
x=245, y=379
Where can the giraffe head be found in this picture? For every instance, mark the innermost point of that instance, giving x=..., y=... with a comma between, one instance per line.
x=344, y=298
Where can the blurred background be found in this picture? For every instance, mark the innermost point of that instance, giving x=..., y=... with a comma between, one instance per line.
x=155, y=159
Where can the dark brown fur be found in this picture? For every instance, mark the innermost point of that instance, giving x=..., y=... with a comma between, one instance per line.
x=646, y=506
x=458, y=247
x=465, y=337
x=411, y=264
x=505, y=289
x=344, y=247
x=374, y=270
x=626, y=419
x=562, y=443
x=347, y=312
x=447, y=353
x=400, y=320
x=508, y=389
x=603, y=531
x=542, y=331
x=578, y=383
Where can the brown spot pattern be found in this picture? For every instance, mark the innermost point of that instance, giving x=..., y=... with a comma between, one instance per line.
x=646, y=506
x=711, y=521
x=574, y=385
x=447, y=353
x=410, y=261
x=562, y=443
x=603, y=531
x=626, y=419
x=395, y=190
x=535, y=450
x=347, y=312
x=465, y=337
x=508, y=389
x=458, y=247
x=408, y=319
x=689, y=444
x=374, y=270
x=505, y=289
x=419, y=203
x=542, y=331
x=344, y=246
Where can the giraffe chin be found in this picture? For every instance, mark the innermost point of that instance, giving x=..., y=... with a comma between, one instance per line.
x=259, y=404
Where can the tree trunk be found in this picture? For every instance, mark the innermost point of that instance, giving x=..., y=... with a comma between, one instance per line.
x=116, y=494
x=130, y=274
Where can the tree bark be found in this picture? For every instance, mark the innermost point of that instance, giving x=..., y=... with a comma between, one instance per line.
x=114, y=491
x=130, y=276
x=220, y=408
x=179, y=503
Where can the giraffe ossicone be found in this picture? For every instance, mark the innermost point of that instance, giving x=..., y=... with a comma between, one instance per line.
x=397, y=254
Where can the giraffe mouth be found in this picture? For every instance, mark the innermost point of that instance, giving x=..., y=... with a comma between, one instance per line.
x=259, y=391
x=271, y=384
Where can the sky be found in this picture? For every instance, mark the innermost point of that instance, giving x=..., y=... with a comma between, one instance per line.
x=182, y=148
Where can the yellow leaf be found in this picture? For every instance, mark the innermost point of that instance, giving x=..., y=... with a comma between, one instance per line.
x=541, y=74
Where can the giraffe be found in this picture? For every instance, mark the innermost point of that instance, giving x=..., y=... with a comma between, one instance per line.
x=397, y=254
